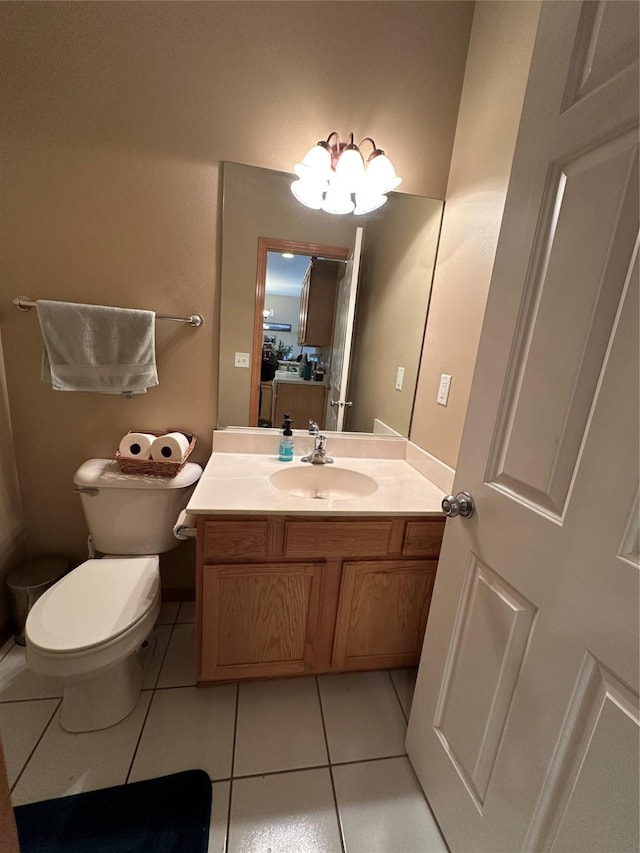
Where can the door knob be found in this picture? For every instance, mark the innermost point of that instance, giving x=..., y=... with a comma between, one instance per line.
x=462, y=504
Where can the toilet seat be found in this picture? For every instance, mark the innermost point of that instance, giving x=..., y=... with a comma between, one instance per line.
x=94, y=604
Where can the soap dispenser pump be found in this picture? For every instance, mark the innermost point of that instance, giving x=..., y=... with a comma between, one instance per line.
x=285, y=453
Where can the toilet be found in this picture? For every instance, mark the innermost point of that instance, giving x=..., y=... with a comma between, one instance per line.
x=87, y=629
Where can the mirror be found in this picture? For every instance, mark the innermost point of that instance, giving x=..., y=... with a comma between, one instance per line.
x=399, y=251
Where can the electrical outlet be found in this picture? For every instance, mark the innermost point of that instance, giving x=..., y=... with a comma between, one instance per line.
x=242, y=359
x=399, y=378
x=443, y=390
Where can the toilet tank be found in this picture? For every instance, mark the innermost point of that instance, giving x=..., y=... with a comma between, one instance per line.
x=132, y=513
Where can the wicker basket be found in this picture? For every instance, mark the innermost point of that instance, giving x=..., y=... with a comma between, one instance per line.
x=159, y=467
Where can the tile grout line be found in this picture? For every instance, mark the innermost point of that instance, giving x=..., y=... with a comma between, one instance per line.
x=263, y=773
x=233, y=763
x=333, y=786
x=393, y=685
x=37, y=743
x=28, y=699
x=146, y=716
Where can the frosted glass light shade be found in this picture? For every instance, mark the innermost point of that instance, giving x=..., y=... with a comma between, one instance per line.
x=316, y=164
x=337, y=200
x=366, y=202
x=350, y=169
x=380, y=176
x=332, y=172
x=308, y=193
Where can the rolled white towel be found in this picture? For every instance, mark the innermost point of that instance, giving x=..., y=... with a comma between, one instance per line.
x=185, y=526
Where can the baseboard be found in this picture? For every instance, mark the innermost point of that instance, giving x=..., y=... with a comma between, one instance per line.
x=179, y=593
x=5, y=633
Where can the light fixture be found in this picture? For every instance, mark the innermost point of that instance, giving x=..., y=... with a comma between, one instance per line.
x=288, y=255
x=332, y=171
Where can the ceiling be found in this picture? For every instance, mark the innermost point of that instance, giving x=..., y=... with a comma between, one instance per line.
x=284, y=275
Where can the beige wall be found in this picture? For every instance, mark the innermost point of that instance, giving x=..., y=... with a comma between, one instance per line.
x=393, y=296
x=116, y=117
x=497, y=68
x=286, y=310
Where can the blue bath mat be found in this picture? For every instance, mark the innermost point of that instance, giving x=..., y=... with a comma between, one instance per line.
x=166, y=815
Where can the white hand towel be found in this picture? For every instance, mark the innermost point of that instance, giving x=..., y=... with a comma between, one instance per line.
x=96, y=348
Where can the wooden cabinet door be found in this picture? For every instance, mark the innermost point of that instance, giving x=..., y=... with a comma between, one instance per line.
x=317, y=303
x=382, y=613
x=304, y=306
x=259, y=620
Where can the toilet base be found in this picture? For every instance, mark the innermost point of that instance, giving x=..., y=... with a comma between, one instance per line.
x=104, y=699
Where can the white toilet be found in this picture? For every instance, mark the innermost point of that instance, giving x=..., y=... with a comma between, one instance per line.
x=87, y=629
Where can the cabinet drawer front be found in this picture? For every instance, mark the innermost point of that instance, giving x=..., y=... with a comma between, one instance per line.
x=337, y=538
x=234, y=540
x=423, y=538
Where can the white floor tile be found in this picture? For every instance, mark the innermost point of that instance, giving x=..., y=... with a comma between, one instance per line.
x=66, y=763
x=21, y=725
x=168, y=612
x=362, y=716
x=179, y=668
x=188, y=728
x=284, y=813
x=279, y=726
x=153, y=655
x=18, y=682
x=219, y=815
x=383, y=810
x=404, y=680
x=187, y=612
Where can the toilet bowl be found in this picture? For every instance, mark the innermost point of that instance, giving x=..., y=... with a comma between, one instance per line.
x=87, y=629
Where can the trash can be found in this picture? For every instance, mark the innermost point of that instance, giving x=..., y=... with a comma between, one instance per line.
x=27, y=583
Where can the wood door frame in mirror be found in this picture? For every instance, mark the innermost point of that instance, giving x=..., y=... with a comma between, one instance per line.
x=265, y=245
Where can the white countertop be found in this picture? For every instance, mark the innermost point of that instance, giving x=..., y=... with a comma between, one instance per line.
x=298, y=380
x=239, y=483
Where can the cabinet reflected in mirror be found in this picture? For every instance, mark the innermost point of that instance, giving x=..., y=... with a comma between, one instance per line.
x=399, y=249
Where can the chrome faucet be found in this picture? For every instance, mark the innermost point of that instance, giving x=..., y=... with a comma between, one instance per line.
x=314, y=429
x=318, y=455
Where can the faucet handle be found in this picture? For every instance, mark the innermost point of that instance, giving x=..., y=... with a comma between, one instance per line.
x=321, y=442
x=314, y=429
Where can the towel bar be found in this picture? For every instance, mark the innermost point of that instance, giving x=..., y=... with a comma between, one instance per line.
x=23, y=303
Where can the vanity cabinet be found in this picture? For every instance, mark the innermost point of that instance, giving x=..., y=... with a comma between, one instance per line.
x=317, y=303
x=281, y=595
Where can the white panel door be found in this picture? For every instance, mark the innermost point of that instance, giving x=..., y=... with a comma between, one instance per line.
x=524, y=729
x=343, y=337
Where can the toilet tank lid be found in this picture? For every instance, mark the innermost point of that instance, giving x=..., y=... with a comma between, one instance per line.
x=106, y=474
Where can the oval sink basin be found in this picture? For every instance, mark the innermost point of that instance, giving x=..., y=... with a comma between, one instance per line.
x=323, y=482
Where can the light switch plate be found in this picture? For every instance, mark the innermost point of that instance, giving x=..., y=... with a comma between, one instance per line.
x=399, y=378
x=242, y=359
x=443, y=390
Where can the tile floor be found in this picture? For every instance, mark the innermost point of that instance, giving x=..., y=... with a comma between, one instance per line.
x=297, y=765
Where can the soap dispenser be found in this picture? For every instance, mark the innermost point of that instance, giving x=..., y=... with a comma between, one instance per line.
x=285, y=453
